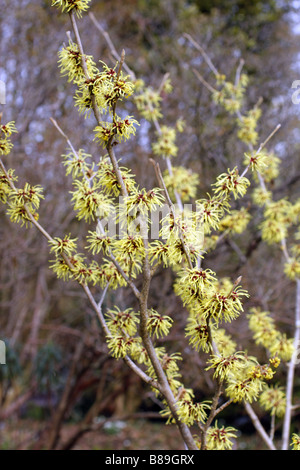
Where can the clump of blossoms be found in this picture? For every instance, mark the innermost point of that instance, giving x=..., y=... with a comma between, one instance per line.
x=190, y=412
x=269, y=164
x=148, y=102
x=235, y=222
x=295, y=442
x=78, y=6
x=6, y=130
x=230, y=96
x=273, y=400
x=99, y=88
x=278, y=217
x=181, y=235
x=248, y=383
x=22, y=203
x=6, y=178
x=220, y=438
x=266, y=334
x=107, y=178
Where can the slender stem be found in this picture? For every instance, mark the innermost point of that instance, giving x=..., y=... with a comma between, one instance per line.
x=99, y=224
x=272, y=429
x=158, y=368
x=291, y=374
x=127, y=359
x=111, y=45
x=212, y=414
x=96, y=307
x=248, y=407
x=162, y=379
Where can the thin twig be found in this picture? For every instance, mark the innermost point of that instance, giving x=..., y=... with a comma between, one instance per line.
x=111, y=45
x=258, y=426
x=204, y=82
x=203, y=53
x=99, y=224
x=95, y=107
x=171, y=207
x=291, y=374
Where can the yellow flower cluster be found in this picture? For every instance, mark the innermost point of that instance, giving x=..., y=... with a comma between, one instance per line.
x=5, y=180
x=247, y=132
x=98, y=89
x=165, y=145
x=79, y=6
x=278, y=217
x=183, y=181
x=230, y=96
x=231, y=182
x=273, y=400
x=266, y=335
x=236, y=221
x=220, y=438
x=6, y=130
x=295, y=441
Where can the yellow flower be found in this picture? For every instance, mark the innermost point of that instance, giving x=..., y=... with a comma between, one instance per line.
x=220, y=306
x=66, y=245
x=89, y=201
x=225, y=345
x=122, y=321
x=148, y=104
x=197, y=331
x=183, y=181
x=193, y=283
x=121, y=129
x=220, y=438
x=261, y=197
x=7, y=129
x=236, y=221
x=79, y=6
x=70, y=63
x=295, y=441
x=273, y=399
x=225, y=366
x=158, y=325
x=247, y=132
x=292, y=269
x=191, y=413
